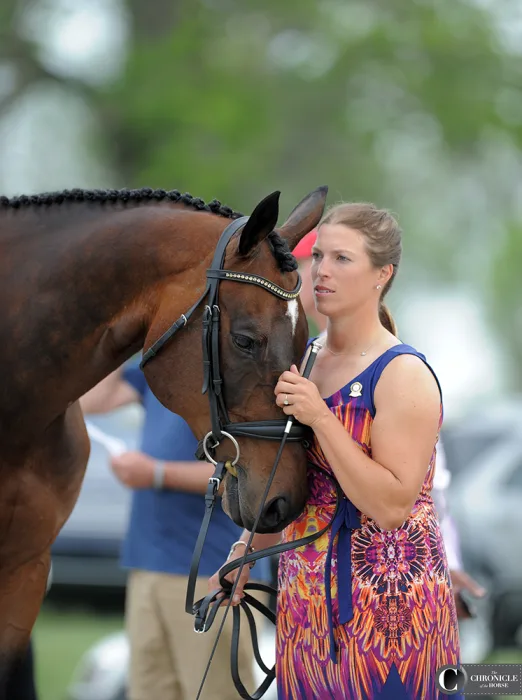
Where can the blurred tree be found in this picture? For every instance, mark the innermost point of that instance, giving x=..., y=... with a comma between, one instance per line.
x=21, y=64
x=415, y=105
x=505, y=306
x=232, y=98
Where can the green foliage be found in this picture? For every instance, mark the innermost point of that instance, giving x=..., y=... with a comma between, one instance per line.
x=413, y=104
x=237, y=98
x=505, y=306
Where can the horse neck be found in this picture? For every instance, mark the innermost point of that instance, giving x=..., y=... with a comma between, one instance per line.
x=83, y=292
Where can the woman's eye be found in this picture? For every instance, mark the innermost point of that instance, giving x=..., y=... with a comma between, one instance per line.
x=315, y=256
x=343, y=258
x=243, y=342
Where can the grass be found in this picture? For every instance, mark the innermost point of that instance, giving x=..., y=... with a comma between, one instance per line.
x=505, y=656
x=61, y=636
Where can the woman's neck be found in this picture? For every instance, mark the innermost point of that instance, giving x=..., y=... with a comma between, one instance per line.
x=354, y=335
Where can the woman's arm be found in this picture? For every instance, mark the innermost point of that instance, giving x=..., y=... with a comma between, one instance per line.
x=407, y=400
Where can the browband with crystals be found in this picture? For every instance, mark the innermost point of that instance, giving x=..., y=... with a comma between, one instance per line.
x=256, y=279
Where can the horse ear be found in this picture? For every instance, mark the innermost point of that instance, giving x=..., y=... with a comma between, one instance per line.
x=305, y=216
x=261, y=222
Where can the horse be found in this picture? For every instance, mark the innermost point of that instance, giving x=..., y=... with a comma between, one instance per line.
x=88, y=279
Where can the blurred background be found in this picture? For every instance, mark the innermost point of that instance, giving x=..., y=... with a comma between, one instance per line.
x=415, y=105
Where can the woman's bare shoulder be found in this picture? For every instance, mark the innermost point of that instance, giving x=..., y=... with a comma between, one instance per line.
x=408, y=375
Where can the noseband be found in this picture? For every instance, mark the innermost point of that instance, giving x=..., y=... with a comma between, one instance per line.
x=212, y=380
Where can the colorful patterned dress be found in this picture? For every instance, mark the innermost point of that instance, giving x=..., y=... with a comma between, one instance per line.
x=388, y=617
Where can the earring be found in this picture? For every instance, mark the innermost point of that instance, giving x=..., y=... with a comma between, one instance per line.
x=378, y=286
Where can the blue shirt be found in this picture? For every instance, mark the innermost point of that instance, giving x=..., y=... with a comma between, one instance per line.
x=164, y=524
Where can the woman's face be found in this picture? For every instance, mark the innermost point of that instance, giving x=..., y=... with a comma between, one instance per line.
x=343, y=276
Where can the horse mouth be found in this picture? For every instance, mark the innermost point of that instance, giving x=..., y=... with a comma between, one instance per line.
x=231, y=500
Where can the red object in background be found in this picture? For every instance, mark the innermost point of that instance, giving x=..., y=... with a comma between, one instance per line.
x=304, y=248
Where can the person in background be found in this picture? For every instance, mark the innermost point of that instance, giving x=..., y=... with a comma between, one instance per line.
x=303, y=254
x=461, y=580
x=168, y=658
x=442, y=478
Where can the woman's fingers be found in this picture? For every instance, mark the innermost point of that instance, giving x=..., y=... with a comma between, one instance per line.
x=291, y=378
x=243, y=580
x=284, y=387
x=214, y=584
x=280, y=400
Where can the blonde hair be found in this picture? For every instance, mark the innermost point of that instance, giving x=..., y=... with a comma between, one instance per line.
x=382, y=236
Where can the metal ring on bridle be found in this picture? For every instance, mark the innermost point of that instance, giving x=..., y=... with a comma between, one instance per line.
x=231, y=438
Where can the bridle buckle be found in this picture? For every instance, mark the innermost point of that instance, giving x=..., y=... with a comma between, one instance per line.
x=216, y=483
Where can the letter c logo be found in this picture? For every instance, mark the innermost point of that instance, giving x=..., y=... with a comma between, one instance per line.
x=451, y=679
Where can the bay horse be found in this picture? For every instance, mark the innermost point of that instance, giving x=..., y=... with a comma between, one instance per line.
x=88, y=279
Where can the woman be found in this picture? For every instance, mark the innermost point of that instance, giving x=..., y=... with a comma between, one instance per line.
x=367, y=610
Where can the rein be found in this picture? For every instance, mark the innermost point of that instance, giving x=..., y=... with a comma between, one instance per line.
x=205, y=610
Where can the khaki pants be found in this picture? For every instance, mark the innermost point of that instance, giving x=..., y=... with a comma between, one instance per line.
x=167, y=658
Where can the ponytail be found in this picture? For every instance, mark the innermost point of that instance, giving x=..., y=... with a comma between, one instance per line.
x=386, y=319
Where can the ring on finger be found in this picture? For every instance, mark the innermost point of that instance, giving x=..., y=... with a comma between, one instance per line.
x=285, y=402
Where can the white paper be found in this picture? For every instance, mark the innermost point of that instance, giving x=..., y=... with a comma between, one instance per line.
x=113, y=445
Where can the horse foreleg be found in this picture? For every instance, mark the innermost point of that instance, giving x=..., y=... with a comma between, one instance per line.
x=21, y=595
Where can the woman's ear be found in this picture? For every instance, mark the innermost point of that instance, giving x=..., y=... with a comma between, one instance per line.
x=385, y=274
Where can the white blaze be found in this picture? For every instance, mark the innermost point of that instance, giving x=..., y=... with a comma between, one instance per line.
x=293, y=313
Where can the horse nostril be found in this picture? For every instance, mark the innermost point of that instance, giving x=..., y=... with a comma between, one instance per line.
x=275, y=512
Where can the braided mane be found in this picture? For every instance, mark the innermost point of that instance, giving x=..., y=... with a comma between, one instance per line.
x=279, y=246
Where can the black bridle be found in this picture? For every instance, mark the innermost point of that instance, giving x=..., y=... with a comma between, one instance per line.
x=212, y=380
x=205, y=610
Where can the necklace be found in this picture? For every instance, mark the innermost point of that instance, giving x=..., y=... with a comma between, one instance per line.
x=363, y=353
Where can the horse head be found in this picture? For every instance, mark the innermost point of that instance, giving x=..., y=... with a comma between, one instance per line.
x=260, y=335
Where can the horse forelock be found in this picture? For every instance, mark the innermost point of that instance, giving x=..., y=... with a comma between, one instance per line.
x=282, y=253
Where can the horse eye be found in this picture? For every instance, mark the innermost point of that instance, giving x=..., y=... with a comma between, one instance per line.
x=243, y=342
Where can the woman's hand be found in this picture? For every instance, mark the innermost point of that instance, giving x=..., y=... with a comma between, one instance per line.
x=213, y=582
x=461, y=581
x=300, y=397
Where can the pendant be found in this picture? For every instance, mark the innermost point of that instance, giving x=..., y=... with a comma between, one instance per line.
x=355, y=389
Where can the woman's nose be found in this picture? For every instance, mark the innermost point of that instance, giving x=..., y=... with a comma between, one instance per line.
x=322, y=269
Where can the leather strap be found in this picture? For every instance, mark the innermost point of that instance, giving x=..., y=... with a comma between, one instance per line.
x=264, y=430
x=180, y=323
x=205, y=609
x=210, y=501
x=217, y=262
